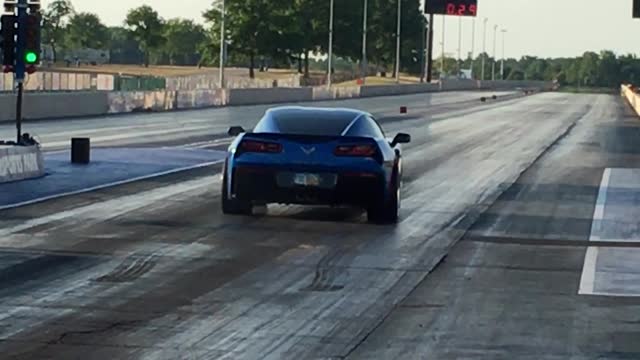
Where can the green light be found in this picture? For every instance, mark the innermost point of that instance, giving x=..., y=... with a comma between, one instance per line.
x=31, y=57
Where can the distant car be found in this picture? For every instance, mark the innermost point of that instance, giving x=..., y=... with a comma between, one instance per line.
x=315, y=156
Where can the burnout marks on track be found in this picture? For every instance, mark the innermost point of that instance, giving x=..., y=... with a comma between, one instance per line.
x=130, y=269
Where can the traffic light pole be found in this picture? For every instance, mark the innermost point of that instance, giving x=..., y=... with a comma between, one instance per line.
x=20, y=65
x=19, y=112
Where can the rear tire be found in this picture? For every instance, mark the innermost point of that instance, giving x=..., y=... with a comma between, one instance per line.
x=386, y=210
x=232, y=206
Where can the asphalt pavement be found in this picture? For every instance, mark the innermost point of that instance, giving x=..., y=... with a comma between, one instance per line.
x=485, y=263
x=208, y=127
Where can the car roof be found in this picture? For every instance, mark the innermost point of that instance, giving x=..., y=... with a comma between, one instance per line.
x=304, y=110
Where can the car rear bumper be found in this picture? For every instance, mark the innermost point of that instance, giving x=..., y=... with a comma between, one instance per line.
x=266, y=185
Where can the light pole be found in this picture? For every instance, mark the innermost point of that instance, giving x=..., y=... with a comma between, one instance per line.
x=473, y=45
x=504, y=31
x=442, y=43
x=459, y=45
x=493, y=63
x=330, y=55
x=222, y=43
x=484, y=47
x=398, y=42
x=364, y=44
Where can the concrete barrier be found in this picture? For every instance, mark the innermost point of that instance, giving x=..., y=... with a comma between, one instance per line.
x=268, y=96
x=200, y=99
x=511, y=85
x=20, y=162
x=78, y=104
x=628, y=92
x=459, y=85
x=55, y=105
x=388, y=90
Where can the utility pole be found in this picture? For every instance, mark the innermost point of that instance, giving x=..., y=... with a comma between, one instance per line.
x=423, y=49
x=430, y=48
x=330, y=59
x=473, y=45
x=484, y=48
x=459, y=45
x=223, y=15
x=493, y=63
x=503, y=56
x=398, y=41
x=443, y=48
x=364, y=43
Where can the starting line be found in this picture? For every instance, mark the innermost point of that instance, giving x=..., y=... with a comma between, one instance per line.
x=614, y=271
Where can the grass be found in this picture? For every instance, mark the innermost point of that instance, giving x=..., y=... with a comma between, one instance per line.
x=377, y=80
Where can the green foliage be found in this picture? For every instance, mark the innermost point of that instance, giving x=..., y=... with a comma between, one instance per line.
x=183, y=39
x=147, y=28
x=55, y=18
x=85, y=30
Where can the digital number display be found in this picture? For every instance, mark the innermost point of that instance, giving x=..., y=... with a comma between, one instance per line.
x=452, y=7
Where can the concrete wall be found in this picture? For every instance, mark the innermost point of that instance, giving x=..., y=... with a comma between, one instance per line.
x=20, y=162
x=55, y=105
x=629, y=93
x=201, y=98
x=77, y=104
x=268, y=96
x=510, y=85
x=386, y=90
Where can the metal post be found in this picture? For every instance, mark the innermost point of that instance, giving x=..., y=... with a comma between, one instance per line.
x=459, y=45
x=484, y=48
x=502, y=63
x=398, y=41
x=330, y=59
x=443, y=48
x=473, y=45
x=20, y=64
x=364, y=43
x=19, y=112
x=493, y=63
x=430, y=48
x=222, y=44
x=423, y=49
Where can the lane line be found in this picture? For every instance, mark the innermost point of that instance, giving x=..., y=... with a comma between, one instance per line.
x=588, y=278
x=587, y=281
x=109, y=185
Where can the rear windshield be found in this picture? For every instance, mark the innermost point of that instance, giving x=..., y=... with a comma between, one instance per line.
x=320, y=124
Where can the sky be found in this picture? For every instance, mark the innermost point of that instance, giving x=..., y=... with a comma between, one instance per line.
x=544, y=28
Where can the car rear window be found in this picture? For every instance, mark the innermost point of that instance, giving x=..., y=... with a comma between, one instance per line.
x=319, y=124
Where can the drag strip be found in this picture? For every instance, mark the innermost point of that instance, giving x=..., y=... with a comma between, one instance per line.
x=165, y=274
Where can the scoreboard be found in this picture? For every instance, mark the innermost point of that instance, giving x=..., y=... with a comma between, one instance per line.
x=452, y=7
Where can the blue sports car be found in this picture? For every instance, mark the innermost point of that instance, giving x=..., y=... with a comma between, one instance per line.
x=314, y=156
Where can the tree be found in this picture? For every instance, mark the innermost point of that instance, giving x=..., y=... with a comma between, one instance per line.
x=55, y=19
x=147, y=29
x=183, y=39
x=85, y=30
x=250, y=30
x=124, y=49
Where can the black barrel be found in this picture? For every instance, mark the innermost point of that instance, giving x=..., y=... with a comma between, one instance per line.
x=80, y=150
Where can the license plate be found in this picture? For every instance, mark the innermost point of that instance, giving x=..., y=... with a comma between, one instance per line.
x=307, y=179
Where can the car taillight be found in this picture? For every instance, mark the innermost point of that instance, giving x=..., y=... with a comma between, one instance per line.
x=355, y=150
x=260, y=146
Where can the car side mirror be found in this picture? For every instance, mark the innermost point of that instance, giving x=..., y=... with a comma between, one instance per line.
x=235, y=131
x=401, y=138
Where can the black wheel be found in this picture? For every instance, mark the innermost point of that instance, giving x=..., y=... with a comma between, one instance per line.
x=386, y=210
x=231, y=206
